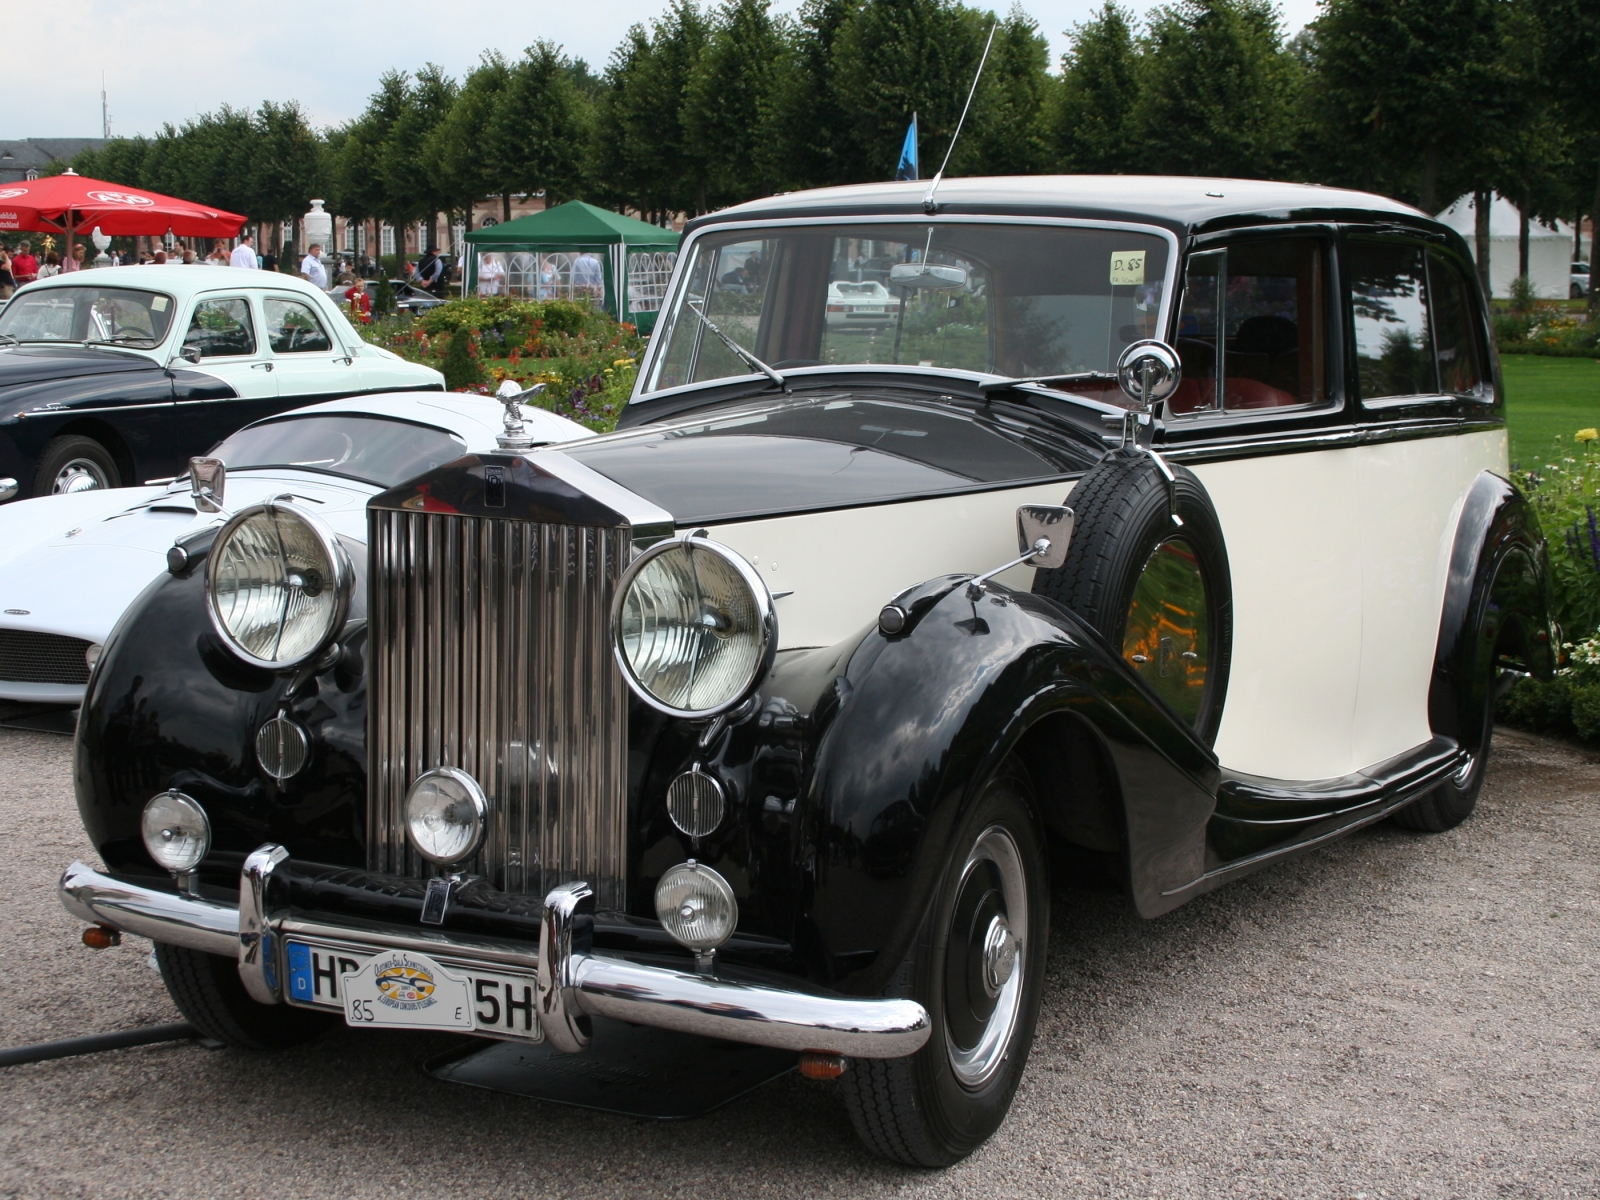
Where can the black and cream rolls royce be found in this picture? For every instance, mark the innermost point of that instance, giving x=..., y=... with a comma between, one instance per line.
x=1164, y=521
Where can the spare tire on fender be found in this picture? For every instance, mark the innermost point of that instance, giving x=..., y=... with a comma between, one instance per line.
x=1158, y=591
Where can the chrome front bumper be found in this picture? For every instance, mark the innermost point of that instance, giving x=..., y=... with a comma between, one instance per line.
x=573, y=982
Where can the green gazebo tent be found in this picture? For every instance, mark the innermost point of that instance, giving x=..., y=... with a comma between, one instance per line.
x=572, y=251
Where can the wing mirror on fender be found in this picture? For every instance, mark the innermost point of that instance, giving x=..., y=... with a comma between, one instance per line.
x=208, y=478
x=1148, y=373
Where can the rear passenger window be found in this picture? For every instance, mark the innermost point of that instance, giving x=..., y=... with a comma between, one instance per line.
x=1456, y=339
x=1254, y=316
x=292, y=328
x=1394, y=342
x=221, y=329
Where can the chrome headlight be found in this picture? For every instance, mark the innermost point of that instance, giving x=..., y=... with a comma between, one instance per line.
x=447, y=815
x=693, y=627
x=277, y=584
x=176, y=830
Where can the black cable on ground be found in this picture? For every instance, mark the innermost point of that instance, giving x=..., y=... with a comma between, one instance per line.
x=67, y=1047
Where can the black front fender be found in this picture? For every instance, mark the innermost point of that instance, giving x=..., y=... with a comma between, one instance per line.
x=926, y=715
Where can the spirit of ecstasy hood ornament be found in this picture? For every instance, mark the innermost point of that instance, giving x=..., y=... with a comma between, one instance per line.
x=516, y=435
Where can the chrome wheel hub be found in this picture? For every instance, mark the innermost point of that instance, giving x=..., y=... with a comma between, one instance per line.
x=984, y=969
x=80, y=475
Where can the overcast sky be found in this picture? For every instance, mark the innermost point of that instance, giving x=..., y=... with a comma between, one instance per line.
x=167, y=60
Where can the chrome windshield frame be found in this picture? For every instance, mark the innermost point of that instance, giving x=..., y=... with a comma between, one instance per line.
x=685, y=256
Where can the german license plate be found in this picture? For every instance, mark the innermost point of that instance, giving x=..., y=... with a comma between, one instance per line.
x=401, y=989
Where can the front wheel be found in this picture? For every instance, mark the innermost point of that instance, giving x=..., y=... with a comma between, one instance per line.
x=978, y=968
x=211, y=996
x=75, y=464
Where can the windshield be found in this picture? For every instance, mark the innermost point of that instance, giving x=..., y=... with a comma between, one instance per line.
x=129, y=316
x=1011, y=300
x=376, y=450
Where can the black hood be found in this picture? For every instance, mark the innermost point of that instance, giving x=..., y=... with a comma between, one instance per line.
x=21, y=365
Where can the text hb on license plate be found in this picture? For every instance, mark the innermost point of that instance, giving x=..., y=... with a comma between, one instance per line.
x=406, y=990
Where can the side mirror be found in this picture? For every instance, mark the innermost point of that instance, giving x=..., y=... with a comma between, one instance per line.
x=190, y=354
x=1044, y=534
x=1148, y=372
x=208, y=478
x=927, y=275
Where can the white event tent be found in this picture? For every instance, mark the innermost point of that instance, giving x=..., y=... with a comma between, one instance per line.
x=1549, y=250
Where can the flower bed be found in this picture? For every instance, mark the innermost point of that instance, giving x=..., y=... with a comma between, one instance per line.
x=1547, y=329
x=586, y=360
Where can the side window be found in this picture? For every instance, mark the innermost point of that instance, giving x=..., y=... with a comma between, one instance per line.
x=221, y=328
x=292, y=328
x=1455, y=325
x=1394, y=344
x=1255, y=317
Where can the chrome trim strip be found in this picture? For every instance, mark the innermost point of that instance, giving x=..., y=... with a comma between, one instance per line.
x=258, y=956
x=578, y=983
x=647, y=519
x=1311, y=441
x=160, y=916
x=680, y=268
x=104, y=408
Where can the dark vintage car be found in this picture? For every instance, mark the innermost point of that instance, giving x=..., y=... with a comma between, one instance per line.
x=108, y=379
x=760, y=717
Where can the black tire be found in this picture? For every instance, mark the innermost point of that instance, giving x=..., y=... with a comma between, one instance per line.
x=918, y=1110
x=1122, y=516
x=211, y=996
x=80, y=456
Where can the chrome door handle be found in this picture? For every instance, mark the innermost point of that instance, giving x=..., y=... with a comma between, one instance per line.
x=261, y=366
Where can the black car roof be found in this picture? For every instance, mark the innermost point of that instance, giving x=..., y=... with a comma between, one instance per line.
x=1184, y=204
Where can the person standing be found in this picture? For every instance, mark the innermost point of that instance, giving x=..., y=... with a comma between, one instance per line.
x=24, y=266
x=269, y=260
x=218, y=257
x=74, y=261
x=50, y=266
x=360, y=303
x=312, y=270
x=244, y=255
x=430, y=271
x=8, y=282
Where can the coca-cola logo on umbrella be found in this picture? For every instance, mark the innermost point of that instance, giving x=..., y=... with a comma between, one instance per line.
x=122, y=198
x=10, y=193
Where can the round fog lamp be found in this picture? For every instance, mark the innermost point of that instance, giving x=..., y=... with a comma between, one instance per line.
x=696, y=906
x=177, y=832
x=447, y=815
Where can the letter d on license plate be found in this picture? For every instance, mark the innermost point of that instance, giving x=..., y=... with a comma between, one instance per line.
x=406, y=990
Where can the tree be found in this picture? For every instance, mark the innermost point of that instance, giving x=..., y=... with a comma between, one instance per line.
x=1215, y=93
x=412, y=183
x=358, y=176
x=807, y=122
x=1090, y=121
x=1006, y=131
x=454, y=147
x=1408, y=97
x=729, y=104
x=893, y=58
x=538, y=130
x=1571, y=34
x=288, y=165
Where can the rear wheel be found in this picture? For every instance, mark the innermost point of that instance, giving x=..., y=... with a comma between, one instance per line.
x=979, y=971
x=211, y=996
x=75, y=464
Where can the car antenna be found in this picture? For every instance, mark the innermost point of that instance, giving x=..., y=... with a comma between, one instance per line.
x=929, y=204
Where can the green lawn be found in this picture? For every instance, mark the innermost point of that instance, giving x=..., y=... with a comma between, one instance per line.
x=1548, y=399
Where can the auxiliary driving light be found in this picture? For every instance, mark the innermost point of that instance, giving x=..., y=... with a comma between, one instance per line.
x=177, y=832
x=696, y=906
x=447, y=815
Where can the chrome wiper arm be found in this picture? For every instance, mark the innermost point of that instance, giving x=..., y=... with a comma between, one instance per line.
x=738, y=349
x=1000, y=385
x=121, y=339
x=12, y=338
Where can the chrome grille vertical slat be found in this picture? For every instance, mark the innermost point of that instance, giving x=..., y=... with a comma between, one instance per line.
x=490, y=651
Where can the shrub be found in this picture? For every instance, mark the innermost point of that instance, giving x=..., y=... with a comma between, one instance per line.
x=1564, y=493
x=461, y=367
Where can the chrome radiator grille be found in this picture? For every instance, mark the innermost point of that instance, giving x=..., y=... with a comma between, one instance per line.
x=489, y=651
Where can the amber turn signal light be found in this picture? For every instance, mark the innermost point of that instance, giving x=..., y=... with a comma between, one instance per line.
x=816, y=1065
x=101, y=937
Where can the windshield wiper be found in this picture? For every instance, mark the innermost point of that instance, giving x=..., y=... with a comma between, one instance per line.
x=117, y=339
x=1000, y=385
x=738, y=349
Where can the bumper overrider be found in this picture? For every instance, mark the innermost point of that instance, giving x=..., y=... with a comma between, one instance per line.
x=572, y=981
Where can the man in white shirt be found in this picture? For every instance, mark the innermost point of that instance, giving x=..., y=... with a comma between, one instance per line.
x=243, y=255
x=311, y=268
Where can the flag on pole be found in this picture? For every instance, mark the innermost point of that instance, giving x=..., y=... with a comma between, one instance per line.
x=908, y=153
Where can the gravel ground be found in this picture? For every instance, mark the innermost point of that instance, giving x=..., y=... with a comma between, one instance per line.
x=1398, y=1015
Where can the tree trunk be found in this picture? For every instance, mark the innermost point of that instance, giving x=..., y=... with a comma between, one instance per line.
x=1522, y=241
x=505, y=206
x=1480, y=233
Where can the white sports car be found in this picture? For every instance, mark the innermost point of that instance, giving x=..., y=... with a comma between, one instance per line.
x=70, y=564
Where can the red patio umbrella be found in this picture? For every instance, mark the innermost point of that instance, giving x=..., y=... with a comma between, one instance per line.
x=70, y=203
